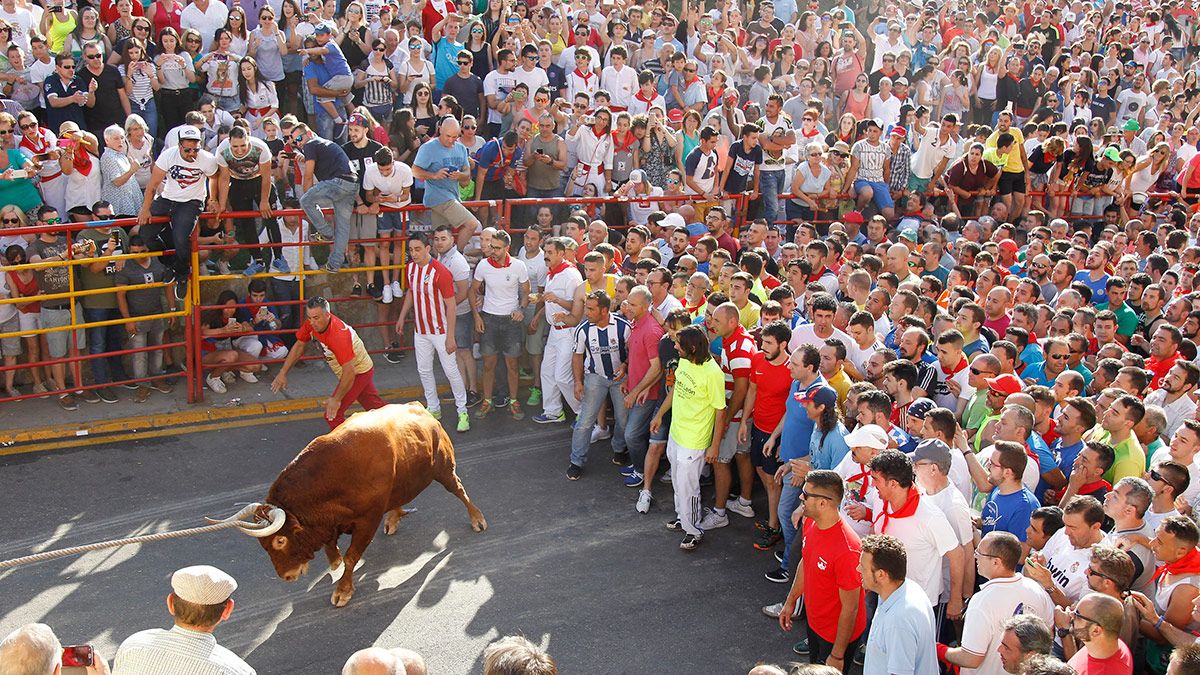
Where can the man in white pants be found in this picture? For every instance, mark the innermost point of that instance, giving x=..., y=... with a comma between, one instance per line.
x=563, y=310
x=431, y=295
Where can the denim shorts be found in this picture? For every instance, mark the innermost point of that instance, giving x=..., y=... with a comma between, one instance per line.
x=501, y=335
x=391, y=221
x=758, y=438
x=464, y=331
x=883, y=192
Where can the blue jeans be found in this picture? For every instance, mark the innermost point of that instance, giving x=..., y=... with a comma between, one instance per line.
x=183, y=221
x=770, y=184
x=789, y=501
x=149, y=113
x=340, y=194
x=595, y=389
x=103, y=339
x=637, y=430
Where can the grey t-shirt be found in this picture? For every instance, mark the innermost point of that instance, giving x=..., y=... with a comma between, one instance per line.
x=54, y=279
x=143, y=301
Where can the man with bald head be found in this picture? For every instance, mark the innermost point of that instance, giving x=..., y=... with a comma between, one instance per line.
x=1095, y=625
x=444, y=164
x=995, y=309
x=896, y=262
x=379, y=661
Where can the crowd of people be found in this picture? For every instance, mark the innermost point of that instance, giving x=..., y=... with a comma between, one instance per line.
x=922, y=273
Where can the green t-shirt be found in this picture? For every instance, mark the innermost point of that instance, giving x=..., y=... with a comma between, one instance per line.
x=1130, y=458
x=1127, y=319
x=698, y=394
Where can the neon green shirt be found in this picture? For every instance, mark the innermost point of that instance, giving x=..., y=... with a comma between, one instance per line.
x=698, y=394
x=1130, y=457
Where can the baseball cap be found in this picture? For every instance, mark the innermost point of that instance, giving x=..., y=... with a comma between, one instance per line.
x=732, y=94
x=648, y=34
x=872, y=122
x=933, y=450
x=852, y=216
x=919, y=408
x=637, y=176
x=322, y=28
x=1005, y=384
x=188, y=132
x=203, y=585
x=675, y=115
x=823, y=395
x=357, y=119
x=909, y=233
x=1112, y=154
x=868, y=436
x=842, y=148
x=898, y=130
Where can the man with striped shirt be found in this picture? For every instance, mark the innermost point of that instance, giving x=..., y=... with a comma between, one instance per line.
x=431, y=299
x=601, y=352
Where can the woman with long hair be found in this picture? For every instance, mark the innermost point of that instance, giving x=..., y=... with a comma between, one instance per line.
x=491, y=19
x=139, y=148
x=416, y=70
x=293, y=62
x=655, y=154
x=175, y=77
x=379, y=82
x=165, y=14
x=89, y=31
x=402, y=135
x=846, y=131
x=141, y=81
x=221, y=357
x=258, y=96
x=16, y=190
x=482, y=62
x=1076, y=163
x=424, y=110
x=58, y=24
x=220, y=65
x=268, y=46
x=1145, y=173
x=857, y=101
x=986, y=76
x=594, y=147
x=353, y=27
x=239, y=34
x=123, y=27
x=688, y=138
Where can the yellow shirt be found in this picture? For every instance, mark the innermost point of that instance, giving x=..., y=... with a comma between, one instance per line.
x=59, y=31
x=1014, y=164
x=610, y=285
x=748, y=315
x=698, y=394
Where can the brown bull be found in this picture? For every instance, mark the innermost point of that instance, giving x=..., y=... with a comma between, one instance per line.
x=345, y=481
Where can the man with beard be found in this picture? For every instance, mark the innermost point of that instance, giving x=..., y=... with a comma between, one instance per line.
x=912, y=347
x=1093, y=275
x=1024, y=635
x=1061, y=277
x=1174, y=395
x=1154, y=299
x=1164, y=352
x=1095, y=627
x=1039, y=272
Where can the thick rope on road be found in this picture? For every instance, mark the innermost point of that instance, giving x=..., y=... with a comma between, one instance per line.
x=217, y=525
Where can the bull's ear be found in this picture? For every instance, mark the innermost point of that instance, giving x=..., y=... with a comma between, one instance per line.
x=279, y=542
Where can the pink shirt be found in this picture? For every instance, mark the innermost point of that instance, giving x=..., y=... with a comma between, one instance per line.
x=643, y=346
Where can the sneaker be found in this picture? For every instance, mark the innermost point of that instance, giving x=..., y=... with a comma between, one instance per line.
x=215, y=384
x=67, y=402
x=255, y=267
x=374, y=291
x=706, y=480
x=634, y=479
x=394, y=355
x=628, y=470
x=535, y=397
x=474, y=399
x=548, y=419
x=356, y=290
x=574, y=471
x=525, y=374
x=690, y=542
x=181, y=289
x=131, y=386
x=161, y=386
x=801, y=647
x=228, y=377
x=674, y=525
x=223, y=268
x=860, y=655
x=12, y=392
x=485, y=409
x=386, y=295
x=762, y=524
x=621, y=458
x=517, y=412
x=464, y=422
x=666, y=478
x=106, y=395
x=142, y=394
x=280, y=265
x=643, y=502
x=600, y=433
x=326, y=269
x=779, y=557
x=40, y=388
x=88, y=396
x=713, y=520
x=778, y=576
x=397, y=292
x=736, y=506
x=247, y=377
x=315, y=236
x=437, y=413
x=768, y=538
x=501, y=401
x=776, y=609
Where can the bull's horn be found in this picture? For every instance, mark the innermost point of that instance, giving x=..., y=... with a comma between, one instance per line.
x=254, y=526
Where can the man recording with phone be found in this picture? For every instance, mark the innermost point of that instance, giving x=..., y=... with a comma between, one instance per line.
x=34, y=649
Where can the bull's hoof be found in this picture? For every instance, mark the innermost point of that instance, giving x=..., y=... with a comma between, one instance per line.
x=479, y=524
x=391, y=523
x=340, y=597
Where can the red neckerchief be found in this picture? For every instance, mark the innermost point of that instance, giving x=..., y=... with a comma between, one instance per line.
x=643, y=99
x=81, y=159
x=691, y=309
x=561, y=266
x=962, y=365
x=1188, y=564
x=507, y=262
x=1032, y=455
x=623, y=143
x=865, y=474
x=909, y=508
x=43, y=142
x=816, y=276
x=586, y=77
x=599, y=134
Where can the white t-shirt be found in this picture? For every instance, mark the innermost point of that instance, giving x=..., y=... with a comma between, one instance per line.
x=499, y=85
x=927, y=538
x=537, y=268
x=639, y=212
x=460, y=270
x=997, y=601
x=562, y=285
x=186, y=181
x=806, y=334
x=20, y=20
x=848, y=469
x=206, y=22
x=958, y=514
x=858, y=356
x=1068, y=565
x=668, y=304
x=533, y=79
x=401, y=179
x=502, y=295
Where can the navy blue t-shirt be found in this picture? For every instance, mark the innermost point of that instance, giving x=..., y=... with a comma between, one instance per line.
x=331, y=160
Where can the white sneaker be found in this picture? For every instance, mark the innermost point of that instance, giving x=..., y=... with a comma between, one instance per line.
x=247, y=377
x=713, y=520
x=228, y=377
x=736, y=506
x=397, y=292
x=776, y=609
x=215, y=384
x=387, y=295
x=600, y=433
x=643, y=502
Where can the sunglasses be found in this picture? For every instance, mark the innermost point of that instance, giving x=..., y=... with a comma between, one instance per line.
x=10, y=221
x=66, y=67
x=461, y=63
x=1154, y=474
x=809, y=495
x=6, y=132
x=29, y=126
x=52, y=221
x=469, y=126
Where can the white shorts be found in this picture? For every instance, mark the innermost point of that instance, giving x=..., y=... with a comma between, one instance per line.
x=30, y=321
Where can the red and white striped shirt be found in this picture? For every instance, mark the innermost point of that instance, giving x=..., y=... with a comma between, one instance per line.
x=429, y=285
x=737, y=357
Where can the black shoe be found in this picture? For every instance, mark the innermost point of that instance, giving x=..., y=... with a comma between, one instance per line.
x=767, y=539
x=394, y=355
x=88, y=396
x=357, y=290
x=689, y=543
x=674, y=525
x=706, y=480
x=779, y=557
x=131, y=386
x=778, y=576
x=473, y=399
x=106, y=395
x=801, y=647
x=181, y=289
x=374, y=291
x=574, y=472
x=500, y=402
x=621, y=459
x=860, y=655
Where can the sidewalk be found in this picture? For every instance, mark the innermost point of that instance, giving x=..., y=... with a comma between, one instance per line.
x=40, y=424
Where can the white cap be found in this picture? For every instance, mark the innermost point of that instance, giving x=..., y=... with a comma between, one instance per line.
x=203, y=585
x=867, y=436
x=637, y=176
x=188, y=132
x=672, y=221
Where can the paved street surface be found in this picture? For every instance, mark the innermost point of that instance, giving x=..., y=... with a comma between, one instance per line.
x=570, y=565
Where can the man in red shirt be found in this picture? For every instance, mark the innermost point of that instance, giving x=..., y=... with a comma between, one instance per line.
x=762, y=415
x=1096, y=626
x=1164, y=352
x=346, y=356
x=828, y=577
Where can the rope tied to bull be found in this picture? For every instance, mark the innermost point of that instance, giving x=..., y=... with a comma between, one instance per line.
x=255, y=527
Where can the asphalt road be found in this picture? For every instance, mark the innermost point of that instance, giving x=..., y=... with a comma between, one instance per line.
x=569, y=565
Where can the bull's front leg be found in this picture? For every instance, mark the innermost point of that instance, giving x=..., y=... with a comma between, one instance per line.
x=334, y=555
x=360, y=537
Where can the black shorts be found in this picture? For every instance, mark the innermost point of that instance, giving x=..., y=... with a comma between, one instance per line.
x=1011, y=182
x=757, y=439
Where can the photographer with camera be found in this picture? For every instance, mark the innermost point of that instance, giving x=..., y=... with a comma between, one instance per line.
x=103, y=241
x=34, y=649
